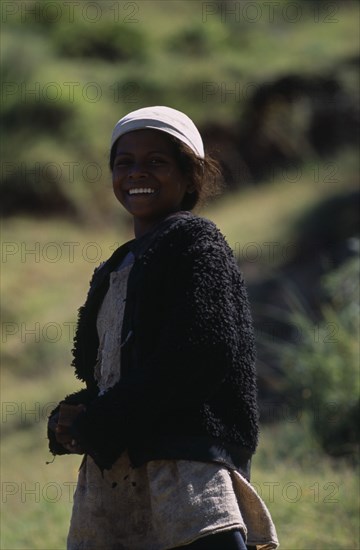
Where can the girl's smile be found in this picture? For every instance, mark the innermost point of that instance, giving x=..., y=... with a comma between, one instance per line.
x=147, y=179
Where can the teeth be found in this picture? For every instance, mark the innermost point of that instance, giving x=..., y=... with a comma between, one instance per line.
x=141, y=190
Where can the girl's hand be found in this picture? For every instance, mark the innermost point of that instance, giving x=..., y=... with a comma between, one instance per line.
x=64, y=437
x=66, y=417
x=73, y=447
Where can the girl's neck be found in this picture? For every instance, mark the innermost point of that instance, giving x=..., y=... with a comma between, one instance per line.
x=141, y=227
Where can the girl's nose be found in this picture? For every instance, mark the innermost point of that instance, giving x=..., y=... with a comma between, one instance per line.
x=137, y=171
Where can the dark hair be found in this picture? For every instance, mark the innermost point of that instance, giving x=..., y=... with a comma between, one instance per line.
x=204, y=173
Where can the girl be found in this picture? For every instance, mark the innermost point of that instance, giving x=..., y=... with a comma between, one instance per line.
x=168, y=421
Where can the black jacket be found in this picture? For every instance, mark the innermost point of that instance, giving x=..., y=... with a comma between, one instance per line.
x=188, y=383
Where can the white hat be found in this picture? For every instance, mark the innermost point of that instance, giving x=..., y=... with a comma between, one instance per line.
x=164, y=119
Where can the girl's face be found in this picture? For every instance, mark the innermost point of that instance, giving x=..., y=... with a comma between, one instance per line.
x=147, y=180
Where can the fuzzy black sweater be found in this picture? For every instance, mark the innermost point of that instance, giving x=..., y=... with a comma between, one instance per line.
x=188, y=383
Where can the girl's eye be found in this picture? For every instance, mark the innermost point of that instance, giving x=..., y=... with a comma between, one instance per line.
x=157, y=161
x=126, y=162
x=122, y=162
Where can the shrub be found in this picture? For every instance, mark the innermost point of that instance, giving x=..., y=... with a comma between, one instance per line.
x=198, y=40
x=321, y=370
x=107, y=41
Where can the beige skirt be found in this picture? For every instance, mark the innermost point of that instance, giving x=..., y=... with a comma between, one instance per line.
x=164, y=504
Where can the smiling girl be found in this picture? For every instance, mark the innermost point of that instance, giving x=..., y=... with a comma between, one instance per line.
x=168, y=420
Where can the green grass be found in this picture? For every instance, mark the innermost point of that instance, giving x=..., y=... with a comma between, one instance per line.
x=36, y=515
x=270, y=213
x=313, y=508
